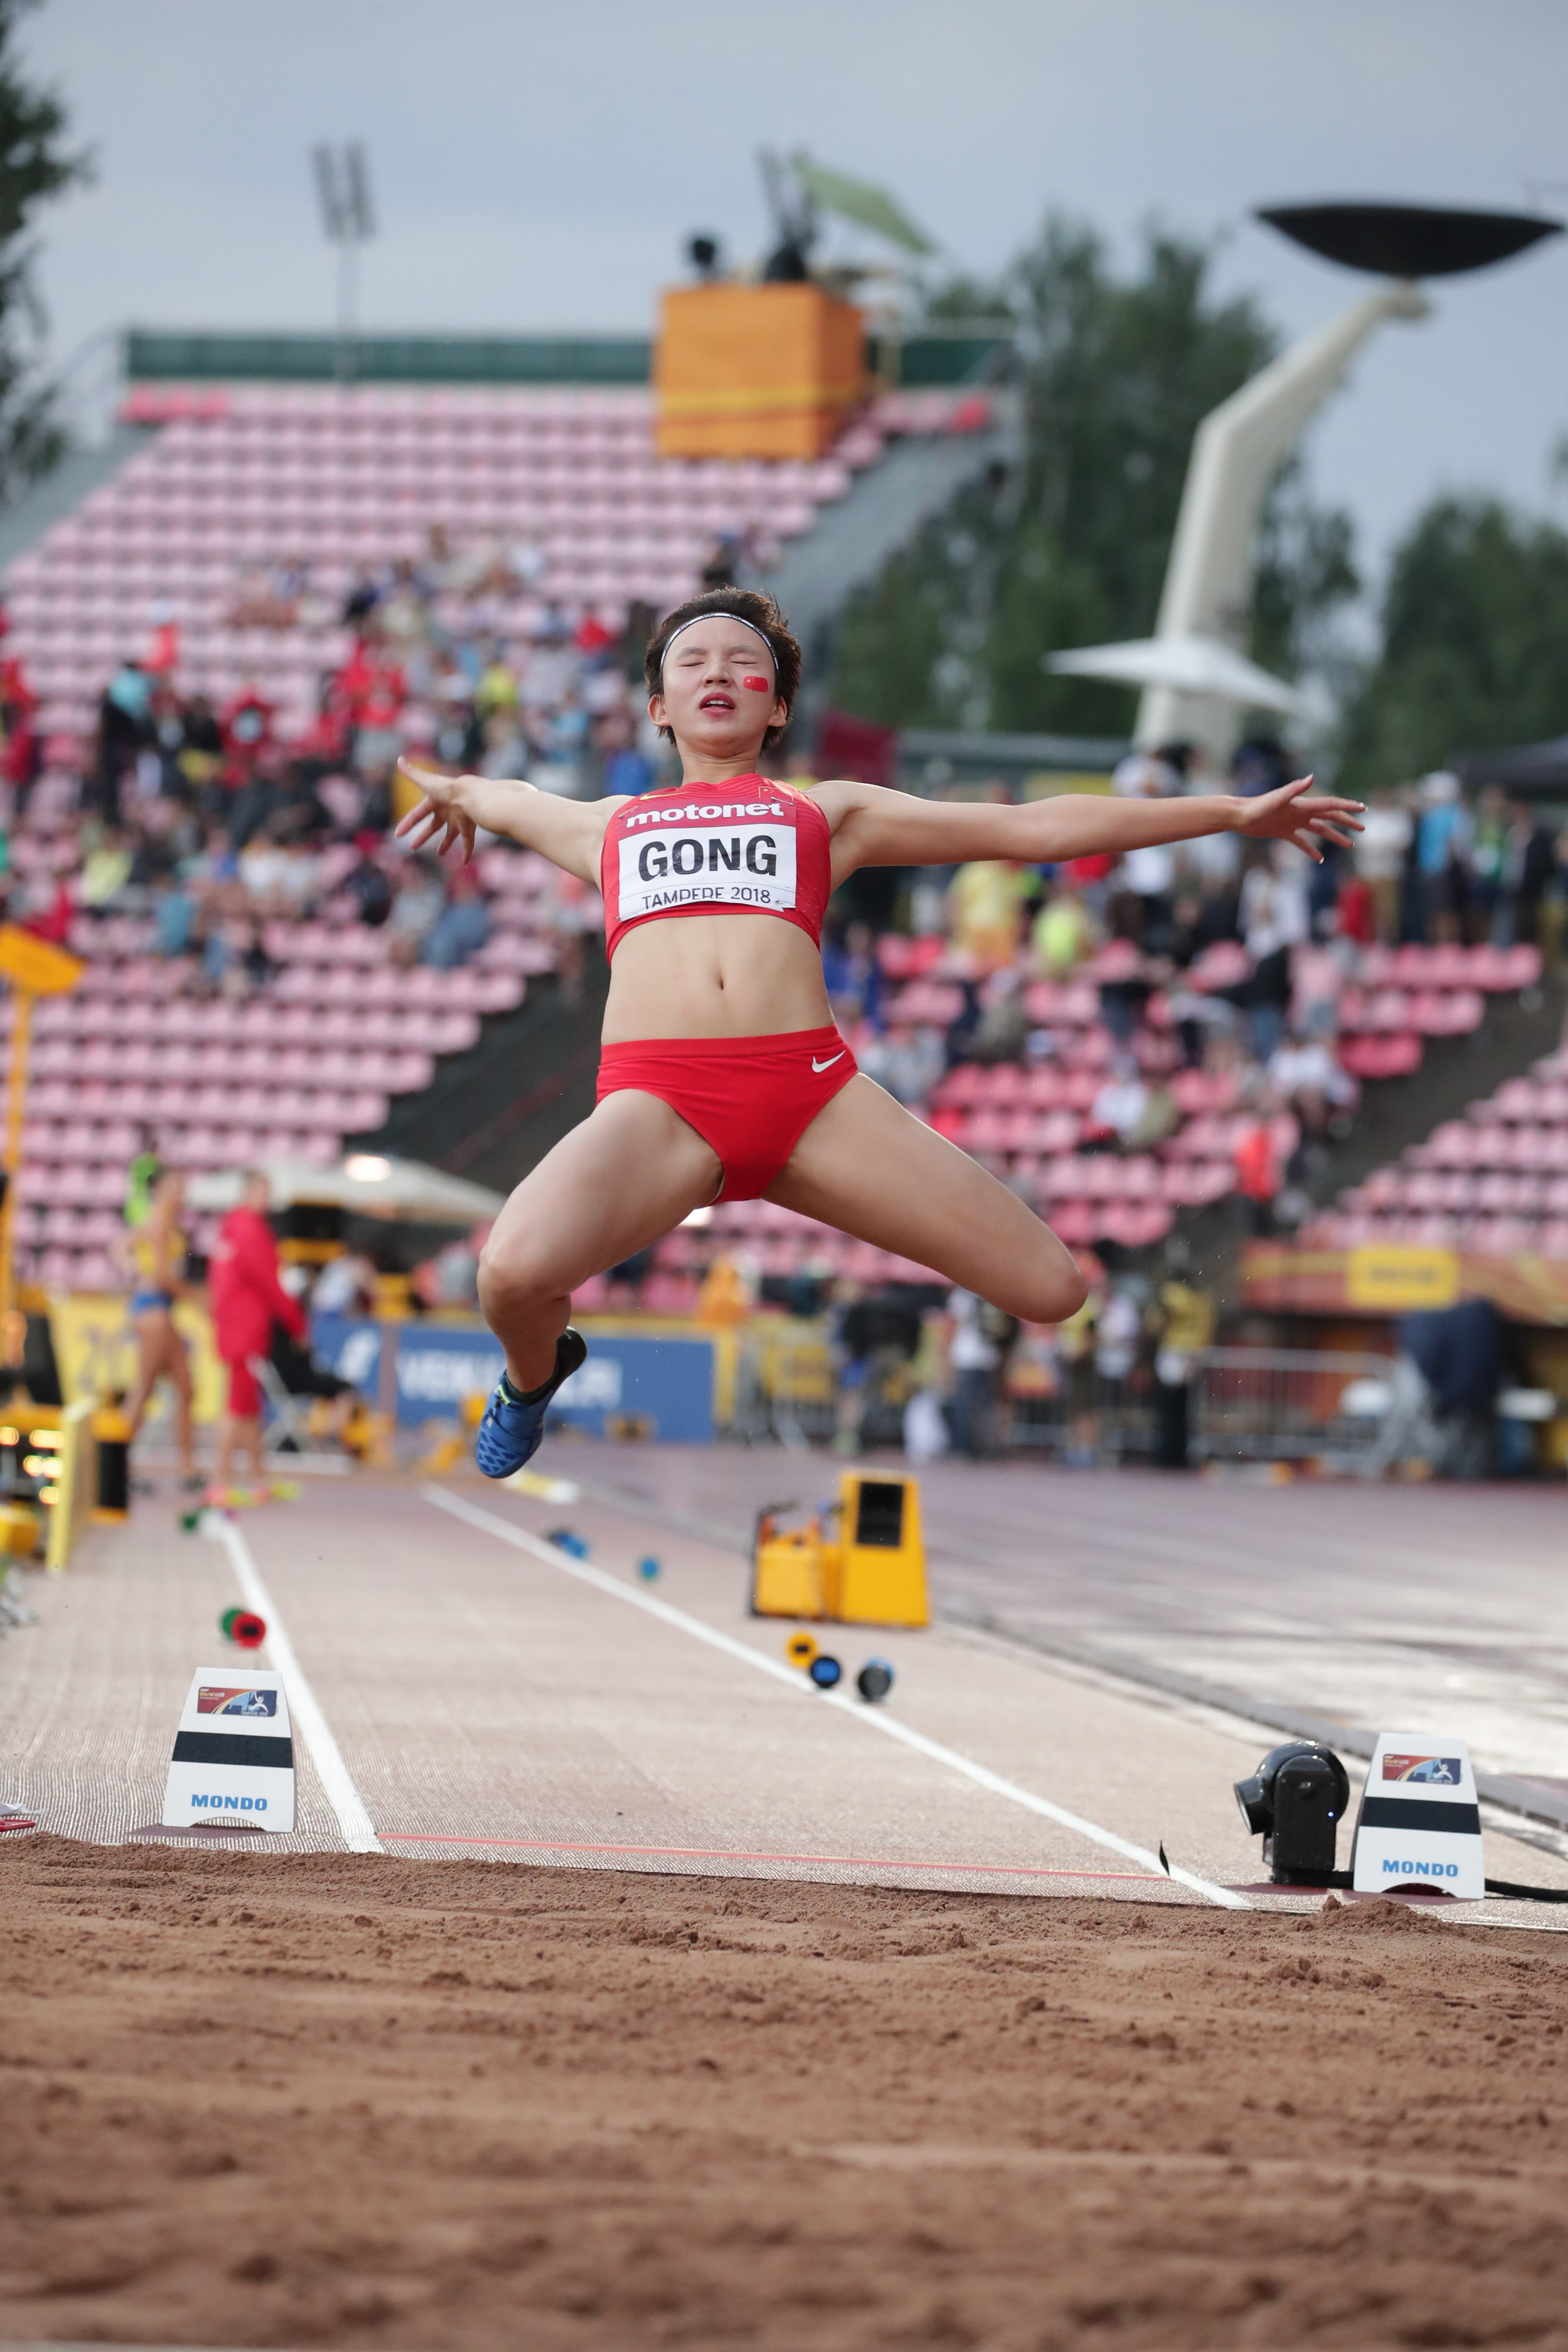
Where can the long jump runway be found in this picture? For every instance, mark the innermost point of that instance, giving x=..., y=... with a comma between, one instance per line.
x=464, y=1689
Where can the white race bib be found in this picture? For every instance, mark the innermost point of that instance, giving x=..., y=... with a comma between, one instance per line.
x=747, y=862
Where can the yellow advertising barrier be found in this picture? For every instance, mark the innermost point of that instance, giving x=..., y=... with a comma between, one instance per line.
x=95, y=1350
x=75, y=1485
x=1397, y=1279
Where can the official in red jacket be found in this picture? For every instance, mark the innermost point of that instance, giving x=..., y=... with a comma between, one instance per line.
x=248, y=1299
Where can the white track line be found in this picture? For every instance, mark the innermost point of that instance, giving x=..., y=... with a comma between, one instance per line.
x=870, y=1718
x=358, y=1831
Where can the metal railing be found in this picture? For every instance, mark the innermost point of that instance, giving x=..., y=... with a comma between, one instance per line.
x=1107, y=1421
x=1287, y=1404
x=1246, y=1404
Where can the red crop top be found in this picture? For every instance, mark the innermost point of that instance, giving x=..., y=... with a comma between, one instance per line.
x=742, y=847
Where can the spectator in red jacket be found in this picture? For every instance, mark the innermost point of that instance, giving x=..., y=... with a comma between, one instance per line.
x=248, y=1299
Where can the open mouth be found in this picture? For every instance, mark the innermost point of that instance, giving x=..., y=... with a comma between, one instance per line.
x=716, y=702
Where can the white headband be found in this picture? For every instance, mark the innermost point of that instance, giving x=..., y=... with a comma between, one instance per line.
x=697, y=623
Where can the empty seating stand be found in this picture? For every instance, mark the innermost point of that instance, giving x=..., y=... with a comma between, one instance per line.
x=343, y=481
x=1494, y=1184
x=316, y=1056
x=232, y=486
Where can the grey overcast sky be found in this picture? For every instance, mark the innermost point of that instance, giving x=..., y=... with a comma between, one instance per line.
x=538, y=165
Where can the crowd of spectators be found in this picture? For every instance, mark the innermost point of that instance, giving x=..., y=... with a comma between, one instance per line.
x=1248, y=954
x=1211, y=958
x=215, y=822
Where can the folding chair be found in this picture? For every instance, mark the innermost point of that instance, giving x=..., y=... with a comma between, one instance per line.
x=287, y=1414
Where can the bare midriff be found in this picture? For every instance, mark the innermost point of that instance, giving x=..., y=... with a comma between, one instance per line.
x=743, y=975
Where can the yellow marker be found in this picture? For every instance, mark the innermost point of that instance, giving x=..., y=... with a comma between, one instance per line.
x=874, y=1572
x=543, y=1489
x=866, y=1565
x=801, y=1649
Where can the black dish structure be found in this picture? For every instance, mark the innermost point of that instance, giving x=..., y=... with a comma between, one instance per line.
x=1408, y=240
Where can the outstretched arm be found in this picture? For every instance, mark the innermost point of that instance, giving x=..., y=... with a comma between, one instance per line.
x=874, y=826
x=453, y=808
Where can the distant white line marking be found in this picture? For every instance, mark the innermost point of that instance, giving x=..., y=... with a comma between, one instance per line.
x=870, y=1718
x=359, y=1832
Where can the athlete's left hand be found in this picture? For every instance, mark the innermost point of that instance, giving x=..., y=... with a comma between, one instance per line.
x=1295, y=812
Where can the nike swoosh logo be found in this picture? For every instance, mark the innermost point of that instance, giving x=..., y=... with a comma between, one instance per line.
x=820, y=1066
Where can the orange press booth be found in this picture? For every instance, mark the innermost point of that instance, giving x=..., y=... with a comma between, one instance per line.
x=755, y=370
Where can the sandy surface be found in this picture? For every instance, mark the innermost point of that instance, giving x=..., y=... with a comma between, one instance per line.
x=322, y=2099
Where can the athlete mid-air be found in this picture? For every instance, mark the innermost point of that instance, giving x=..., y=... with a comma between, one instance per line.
x=722, y=1076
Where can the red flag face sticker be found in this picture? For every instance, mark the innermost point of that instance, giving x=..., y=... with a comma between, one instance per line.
x=758, y=684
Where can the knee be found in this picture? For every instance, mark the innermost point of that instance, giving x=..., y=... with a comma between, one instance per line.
x=1052, y=1293
x=514, y=1277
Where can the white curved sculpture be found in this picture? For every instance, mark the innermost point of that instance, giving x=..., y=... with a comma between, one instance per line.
x=1236, y=453
x=1206, y=600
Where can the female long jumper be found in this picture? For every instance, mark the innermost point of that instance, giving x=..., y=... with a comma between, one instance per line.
x=722, y=1076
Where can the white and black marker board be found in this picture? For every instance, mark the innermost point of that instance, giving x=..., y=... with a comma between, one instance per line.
x=234, y=1752
x=1419, y=1824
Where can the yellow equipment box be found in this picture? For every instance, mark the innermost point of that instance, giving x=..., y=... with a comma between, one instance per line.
x=867, y=1566
x=786, y=1567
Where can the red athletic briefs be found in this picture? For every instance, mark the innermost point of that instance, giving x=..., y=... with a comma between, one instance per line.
x=752, y=1098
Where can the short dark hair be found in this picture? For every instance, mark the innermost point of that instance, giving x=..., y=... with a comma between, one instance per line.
x=753, y=604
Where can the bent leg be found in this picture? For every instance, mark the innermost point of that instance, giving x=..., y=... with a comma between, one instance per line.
x=613, y=1186
x=868, y=1165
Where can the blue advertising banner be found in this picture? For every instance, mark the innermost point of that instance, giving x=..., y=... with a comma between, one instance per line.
x=351, y=1346
x=436, y=1365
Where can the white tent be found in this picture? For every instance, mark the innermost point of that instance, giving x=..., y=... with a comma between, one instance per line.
x=402, y=1190
x=1186, y=665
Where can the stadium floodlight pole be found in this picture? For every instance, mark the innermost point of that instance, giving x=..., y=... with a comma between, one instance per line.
x=348, y=219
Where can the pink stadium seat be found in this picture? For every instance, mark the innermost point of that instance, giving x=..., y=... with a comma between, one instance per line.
x=1064, y=1178
x=1195, y=1184
x=1395, y=1055
x=1003, y=1087
x=1138, y=1226
x=1446, y=1014
x=1076, y=1222
x=1058, y=1130
x=1503, y=1195
x=985, y=1130
x=1537, y=1148
x=1496, y=1237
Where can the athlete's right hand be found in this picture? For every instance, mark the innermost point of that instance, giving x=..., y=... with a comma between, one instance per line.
x=443, y=810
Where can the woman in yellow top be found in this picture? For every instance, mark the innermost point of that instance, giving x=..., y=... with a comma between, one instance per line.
x=156, y=1249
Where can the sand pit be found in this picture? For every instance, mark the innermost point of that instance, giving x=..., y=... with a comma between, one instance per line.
x=325, y=2099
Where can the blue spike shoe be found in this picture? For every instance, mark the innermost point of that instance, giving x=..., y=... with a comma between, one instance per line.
x=513, y=1425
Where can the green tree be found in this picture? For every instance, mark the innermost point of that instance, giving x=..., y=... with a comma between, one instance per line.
x=34, y=166
x=1116, y=376
x=1475, y=620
